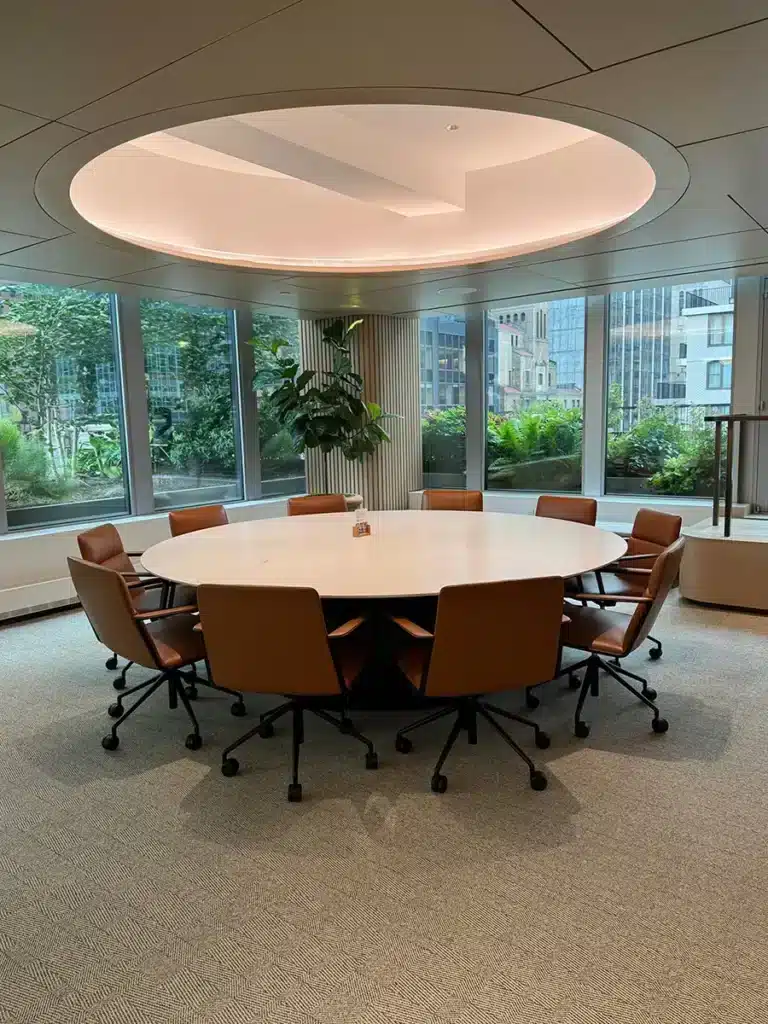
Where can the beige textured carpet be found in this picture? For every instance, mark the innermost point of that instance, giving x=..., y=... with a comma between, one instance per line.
x=143, y=887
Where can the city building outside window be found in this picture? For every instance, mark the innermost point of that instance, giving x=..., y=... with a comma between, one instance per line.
x=61, y=431
x=534, y=396
x=442, y=368
x=189, y=360
x=662, y=382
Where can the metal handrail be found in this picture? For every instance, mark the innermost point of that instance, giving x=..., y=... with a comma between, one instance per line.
x=732, y=419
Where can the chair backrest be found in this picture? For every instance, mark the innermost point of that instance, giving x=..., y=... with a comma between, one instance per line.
x=652, y=532
x=452, y=501
x=267, y=639
x=313, y=504
x=574, y=510
x=495, y=636
x=102, y=545
x=188, y=520
x=106, y=601
x=660, y=582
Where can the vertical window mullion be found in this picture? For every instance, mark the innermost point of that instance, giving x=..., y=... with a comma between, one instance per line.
x=595, y=396
x=134, y=404
x=247, y=420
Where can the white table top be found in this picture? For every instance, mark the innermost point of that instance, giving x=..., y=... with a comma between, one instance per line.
x=409, y=553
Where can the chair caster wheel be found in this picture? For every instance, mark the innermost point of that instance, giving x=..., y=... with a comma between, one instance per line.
x=111, y=663
x=655, y=653
x=403, y=745
x=542, y=740
x=194, y=741
x=581, y=730
x=238, y=709
x=531, y=701
x=574, y=683
x=191, y=692
x=230, y=767
x=659, y=725
x=266, y=730
x=110, y=742
x=650, y=693
x=346, y=726
x=372, y=760
x=294, y=793
x=439, y=783
x=115, y=710
x=538, y=781
x=119, y=683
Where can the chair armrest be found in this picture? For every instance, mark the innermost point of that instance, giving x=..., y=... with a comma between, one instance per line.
x=134, y=554
x=347, y=627
x=142, y=575
x=610, y=598
x=412, y=628
x=634, y=558
x=164, y=613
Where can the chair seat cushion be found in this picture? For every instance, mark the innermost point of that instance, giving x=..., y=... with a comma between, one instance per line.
x=623, y=584
x=594, y=629
x=177, y=642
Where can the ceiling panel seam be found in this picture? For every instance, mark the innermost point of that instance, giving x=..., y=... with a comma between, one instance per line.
x=577, y=256
x=185, y=56
x=550, y=33
x=746, y=211
x=604, y=283
x=727, y=135
x=31, y=245
x=640, y=56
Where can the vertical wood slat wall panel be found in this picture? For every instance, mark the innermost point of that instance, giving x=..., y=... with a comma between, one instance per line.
x=386, y=354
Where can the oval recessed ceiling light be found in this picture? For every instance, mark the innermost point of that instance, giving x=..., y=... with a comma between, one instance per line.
x=456, y=291
x=254, y=189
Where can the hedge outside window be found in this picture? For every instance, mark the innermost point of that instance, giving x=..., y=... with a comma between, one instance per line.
x=189, y=356
x=534, y=395
x=662, y=382
x=60, y=406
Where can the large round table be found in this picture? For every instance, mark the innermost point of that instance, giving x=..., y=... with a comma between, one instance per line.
x=409, y=553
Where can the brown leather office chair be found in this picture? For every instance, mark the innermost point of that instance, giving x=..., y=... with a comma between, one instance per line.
x=572, y=509
x=610, y=634
x=467, y=657
x=188, y=520
x=452, y=501
x=314, y=504
x=164, y=640
x=293, y=655
x=652, y=532
x=103, y=545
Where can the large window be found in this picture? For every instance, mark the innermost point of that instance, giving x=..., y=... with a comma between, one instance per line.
x=188, y=354
x=60, y=412
x=282, y=470
x=535, y=389
x=443, y=374
x=669, y=366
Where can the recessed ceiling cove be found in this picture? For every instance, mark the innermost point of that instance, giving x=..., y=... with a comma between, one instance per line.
x=362, y=188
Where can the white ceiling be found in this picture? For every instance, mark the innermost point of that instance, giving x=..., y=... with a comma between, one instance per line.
x=77, y=79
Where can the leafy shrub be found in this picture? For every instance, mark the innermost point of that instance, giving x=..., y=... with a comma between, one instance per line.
x=101, y=456
x=693, y=470
x=444, y=440
x=643, y=450
x=28, y=476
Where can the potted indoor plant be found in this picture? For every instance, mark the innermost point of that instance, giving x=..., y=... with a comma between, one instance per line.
x=321, y=409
